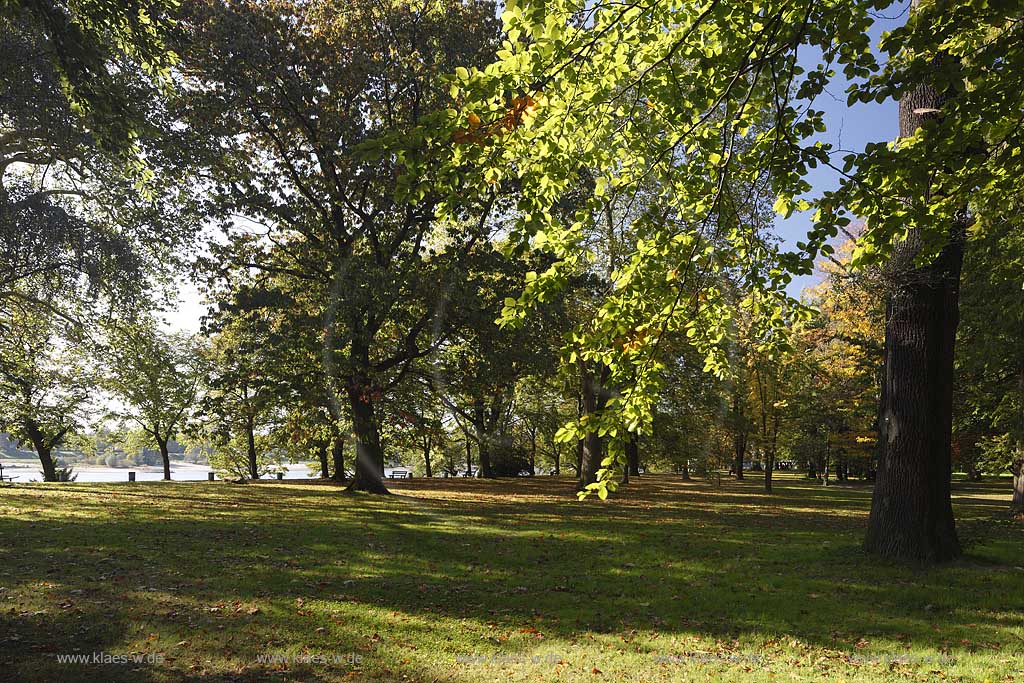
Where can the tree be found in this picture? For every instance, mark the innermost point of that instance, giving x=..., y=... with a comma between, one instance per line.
x=88, y=45
x=911, y=510
x=47, y=380
x=836, y=396
x=82, y=133
x=990, y=356
x=478, y=369
x=156, y=376
x=305, y=87
x=242, y=395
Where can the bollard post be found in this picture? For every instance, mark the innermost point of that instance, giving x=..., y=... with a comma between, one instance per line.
x=131, y=476
x=209, y=476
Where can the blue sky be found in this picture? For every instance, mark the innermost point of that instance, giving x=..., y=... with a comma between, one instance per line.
x=848, y=128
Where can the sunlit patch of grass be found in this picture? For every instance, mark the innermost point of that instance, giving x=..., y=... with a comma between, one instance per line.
x=463, y=580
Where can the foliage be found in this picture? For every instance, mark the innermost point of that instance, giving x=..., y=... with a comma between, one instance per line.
x=155, y=375
x=47, y=377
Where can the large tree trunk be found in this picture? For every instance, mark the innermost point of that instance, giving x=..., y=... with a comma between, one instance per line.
x=594, y=399
x=557, y=452
x=165, y=457
x=911, y=512
x=633, y=455
x=43, y=450
x=338, y=456
x=483, y=440
x=369, y=467
x=250, y=437
x=321, y=454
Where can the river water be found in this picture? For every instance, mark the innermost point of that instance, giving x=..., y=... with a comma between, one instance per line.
x=28, y=470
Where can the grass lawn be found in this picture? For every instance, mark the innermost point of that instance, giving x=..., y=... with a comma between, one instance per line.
x=464, y=580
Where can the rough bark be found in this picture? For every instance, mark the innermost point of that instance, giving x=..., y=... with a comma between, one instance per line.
x=911, y=512
x=594, y=398
x=321, y=454
x=338, y=456
x=43, y=450
x=427, y=443
x=165, y=457
x=483, y=440
x=369, y=465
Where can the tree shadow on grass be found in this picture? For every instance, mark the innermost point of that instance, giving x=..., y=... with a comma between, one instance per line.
x=478, y=568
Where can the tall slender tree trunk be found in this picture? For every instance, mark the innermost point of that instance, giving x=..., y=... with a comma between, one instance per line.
x=426, y=456
x=369, y=466
x=557, y=451
x=911, y=511
x=633, y=455
x=43, y=450
x=769, y=460
x=686, y=470
x=250, y=436
x=165, y=457
x=533, y=452
x=338, y=456
x=321, y=454
x=469, y=457
x=739, y=437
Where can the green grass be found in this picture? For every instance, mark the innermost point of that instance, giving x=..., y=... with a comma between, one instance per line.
x=462, y=580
